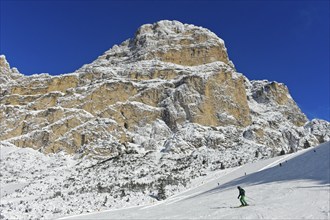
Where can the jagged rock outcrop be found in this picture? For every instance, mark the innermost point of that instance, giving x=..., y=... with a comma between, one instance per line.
x=170, y=95
x=7, y=74
x=276, y=96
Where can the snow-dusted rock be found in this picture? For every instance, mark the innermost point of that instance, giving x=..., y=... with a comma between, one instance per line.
x=320, y=129
x=168, y=41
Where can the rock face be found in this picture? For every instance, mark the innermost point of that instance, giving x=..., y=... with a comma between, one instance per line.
x=170, y=93
x=170, y=72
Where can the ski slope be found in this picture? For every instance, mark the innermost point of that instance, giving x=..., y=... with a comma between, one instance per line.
x=298, y=189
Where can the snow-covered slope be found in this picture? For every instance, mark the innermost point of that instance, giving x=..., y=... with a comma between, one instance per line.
x=34, y=185
x=294, y=186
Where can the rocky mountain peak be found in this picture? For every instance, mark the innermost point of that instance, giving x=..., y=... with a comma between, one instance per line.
x=177, y=31
x=172, y=42
x=4, y=65
x=6, y=73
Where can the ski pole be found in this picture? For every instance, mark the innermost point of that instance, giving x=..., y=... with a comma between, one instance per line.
x=251, y=198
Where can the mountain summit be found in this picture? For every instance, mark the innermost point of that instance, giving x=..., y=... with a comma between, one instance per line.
x=170, y=41
x=155, y=112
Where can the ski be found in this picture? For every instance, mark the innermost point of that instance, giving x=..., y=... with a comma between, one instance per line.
x=241, y=206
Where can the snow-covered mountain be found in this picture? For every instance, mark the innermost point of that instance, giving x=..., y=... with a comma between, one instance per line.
x=142, y=121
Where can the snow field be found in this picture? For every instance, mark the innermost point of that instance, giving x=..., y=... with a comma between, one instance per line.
x=298, y=189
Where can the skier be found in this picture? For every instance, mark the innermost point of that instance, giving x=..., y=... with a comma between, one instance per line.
x=242, y=195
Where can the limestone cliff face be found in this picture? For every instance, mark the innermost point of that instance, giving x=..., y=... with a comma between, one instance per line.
x=215, y=99
x=153, y=92
x=277, y=95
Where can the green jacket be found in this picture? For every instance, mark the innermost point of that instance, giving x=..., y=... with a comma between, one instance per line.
x=241, y=192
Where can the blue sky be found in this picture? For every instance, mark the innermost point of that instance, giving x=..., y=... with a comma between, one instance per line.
x=283, y=41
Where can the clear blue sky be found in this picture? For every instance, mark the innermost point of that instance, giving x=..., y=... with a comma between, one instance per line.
x=283, y=41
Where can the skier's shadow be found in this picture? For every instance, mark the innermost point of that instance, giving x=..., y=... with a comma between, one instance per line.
x=220, y=207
